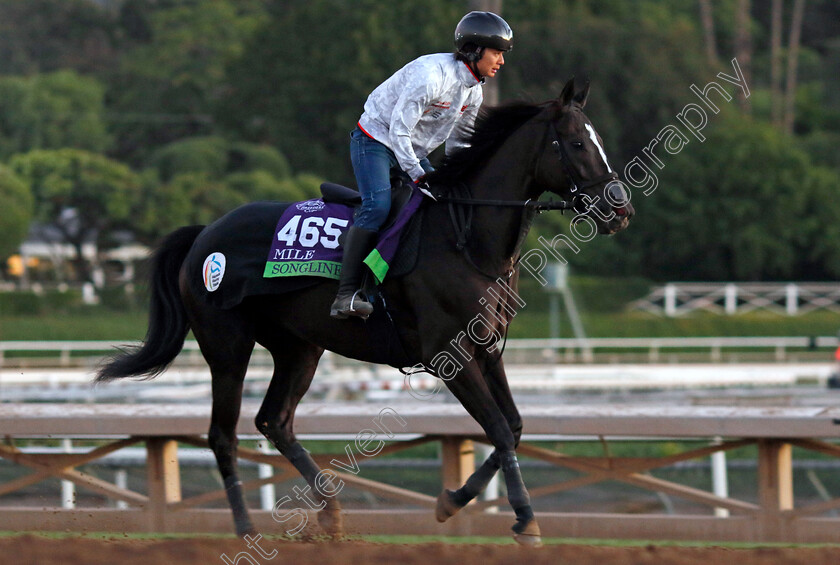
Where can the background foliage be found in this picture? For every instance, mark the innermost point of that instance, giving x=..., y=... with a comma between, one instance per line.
x=174, y=111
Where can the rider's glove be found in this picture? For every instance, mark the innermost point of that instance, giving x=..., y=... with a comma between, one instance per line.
x=423, y=187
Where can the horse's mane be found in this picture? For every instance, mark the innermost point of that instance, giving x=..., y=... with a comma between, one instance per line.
x=492, y=126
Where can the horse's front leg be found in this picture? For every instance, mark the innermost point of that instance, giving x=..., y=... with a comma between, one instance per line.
x=471, y=389
x=449, y=501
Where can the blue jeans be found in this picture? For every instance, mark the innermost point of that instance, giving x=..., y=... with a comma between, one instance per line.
x=372, y=164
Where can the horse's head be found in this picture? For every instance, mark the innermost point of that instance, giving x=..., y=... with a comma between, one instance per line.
x=573, y=164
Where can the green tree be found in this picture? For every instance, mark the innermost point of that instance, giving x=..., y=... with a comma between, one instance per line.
x=244, y=156
x=198, y=198
x=85, y=195
x=191, y=155
x=50, y=111
x=262, y=185
x=743, y=205
x=17, y=212
x=817, y=249
x=216, y=156
x=641, y=57
x=302, y=81
x=196, y=180
x=47, y=35
x=188, y=198
x=304, y=93
x=167, y=85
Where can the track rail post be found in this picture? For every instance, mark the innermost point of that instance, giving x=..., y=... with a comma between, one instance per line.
x=775, y=488
x=457, y=461
x=163, y=479
x=457, y=464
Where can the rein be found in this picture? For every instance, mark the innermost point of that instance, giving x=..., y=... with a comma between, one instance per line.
x=461, y=205
x=535, y=205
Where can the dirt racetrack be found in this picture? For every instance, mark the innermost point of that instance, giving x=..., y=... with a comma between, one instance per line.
x=35, y=550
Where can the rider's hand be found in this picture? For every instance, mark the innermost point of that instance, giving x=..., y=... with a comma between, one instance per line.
x=423, y=186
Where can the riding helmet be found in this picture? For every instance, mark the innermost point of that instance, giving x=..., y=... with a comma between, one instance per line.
x=483, y=29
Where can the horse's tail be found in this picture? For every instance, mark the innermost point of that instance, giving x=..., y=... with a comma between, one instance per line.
x=168, y=322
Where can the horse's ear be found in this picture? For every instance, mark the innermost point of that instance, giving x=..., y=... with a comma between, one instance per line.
x=568, y=93
x=582, y=96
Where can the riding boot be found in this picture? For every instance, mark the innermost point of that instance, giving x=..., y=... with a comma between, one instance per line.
x=349, y=301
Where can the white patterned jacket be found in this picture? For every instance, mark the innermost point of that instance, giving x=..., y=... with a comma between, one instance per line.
x=432, y=100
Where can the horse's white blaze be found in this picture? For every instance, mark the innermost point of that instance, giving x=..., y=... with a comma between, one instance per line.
x=594, y=139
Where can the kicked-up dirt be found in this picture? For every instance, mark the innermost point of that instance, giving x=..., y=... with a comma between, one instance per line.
x=36, y=550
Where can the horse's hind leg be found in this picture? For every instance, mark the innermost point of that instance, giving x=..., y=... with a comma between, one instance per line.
x=226, y=343
x=295, y=362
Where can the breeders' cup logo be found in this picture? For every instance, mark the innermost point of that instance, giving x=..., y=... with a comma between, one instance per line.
x=310, y=206
x=213, y=271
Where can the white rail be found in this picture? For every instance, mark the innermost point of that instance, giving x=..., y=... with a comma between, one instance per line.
x=792, y=299
x=655, y=345
x=66, y=351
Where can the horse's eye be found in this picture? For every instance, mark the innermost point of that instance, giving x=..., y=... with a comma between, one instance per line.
x=577, y=144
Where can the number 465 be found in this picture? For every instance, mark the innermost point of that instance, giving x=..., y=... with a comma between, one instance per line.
x=310, y=231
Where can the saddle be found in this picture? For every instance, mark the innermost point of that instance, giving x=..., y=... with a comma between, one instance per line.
x=401, y=191
x=401, y=188
x=243, y=238
x=382, y=335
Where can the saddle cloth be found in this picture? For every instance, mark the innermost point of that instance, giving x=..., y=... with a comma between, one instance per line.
x=273, y=247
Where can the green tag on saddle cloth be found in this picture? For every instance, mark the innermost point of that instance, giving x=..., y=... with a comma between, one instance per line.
x=378, y=266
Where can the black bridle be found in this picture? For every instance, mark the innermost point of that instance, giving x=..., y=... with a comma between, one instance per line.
x=576, y=185
x=576, y=182
x=461, y=216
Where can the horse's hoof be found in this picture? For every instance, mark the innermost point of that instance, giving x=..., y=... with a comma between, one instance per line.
x=528, y=541
x=247, y=531
x=332, y=522
x=446, y=506
x=529, y=536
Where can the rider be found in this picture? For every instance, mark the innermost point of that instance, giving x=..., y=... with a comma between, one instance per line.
x=431, y=100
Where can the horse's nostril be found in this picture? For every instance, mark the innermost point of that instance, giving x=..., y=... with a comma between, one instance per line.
x=620, y=211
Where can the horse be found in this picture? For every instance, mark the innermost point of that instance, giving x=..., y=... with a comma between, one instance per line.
x=517, y=152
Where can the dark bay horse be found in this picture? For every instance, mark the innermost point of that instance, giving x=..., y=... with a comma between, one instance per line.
x=517, y=152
